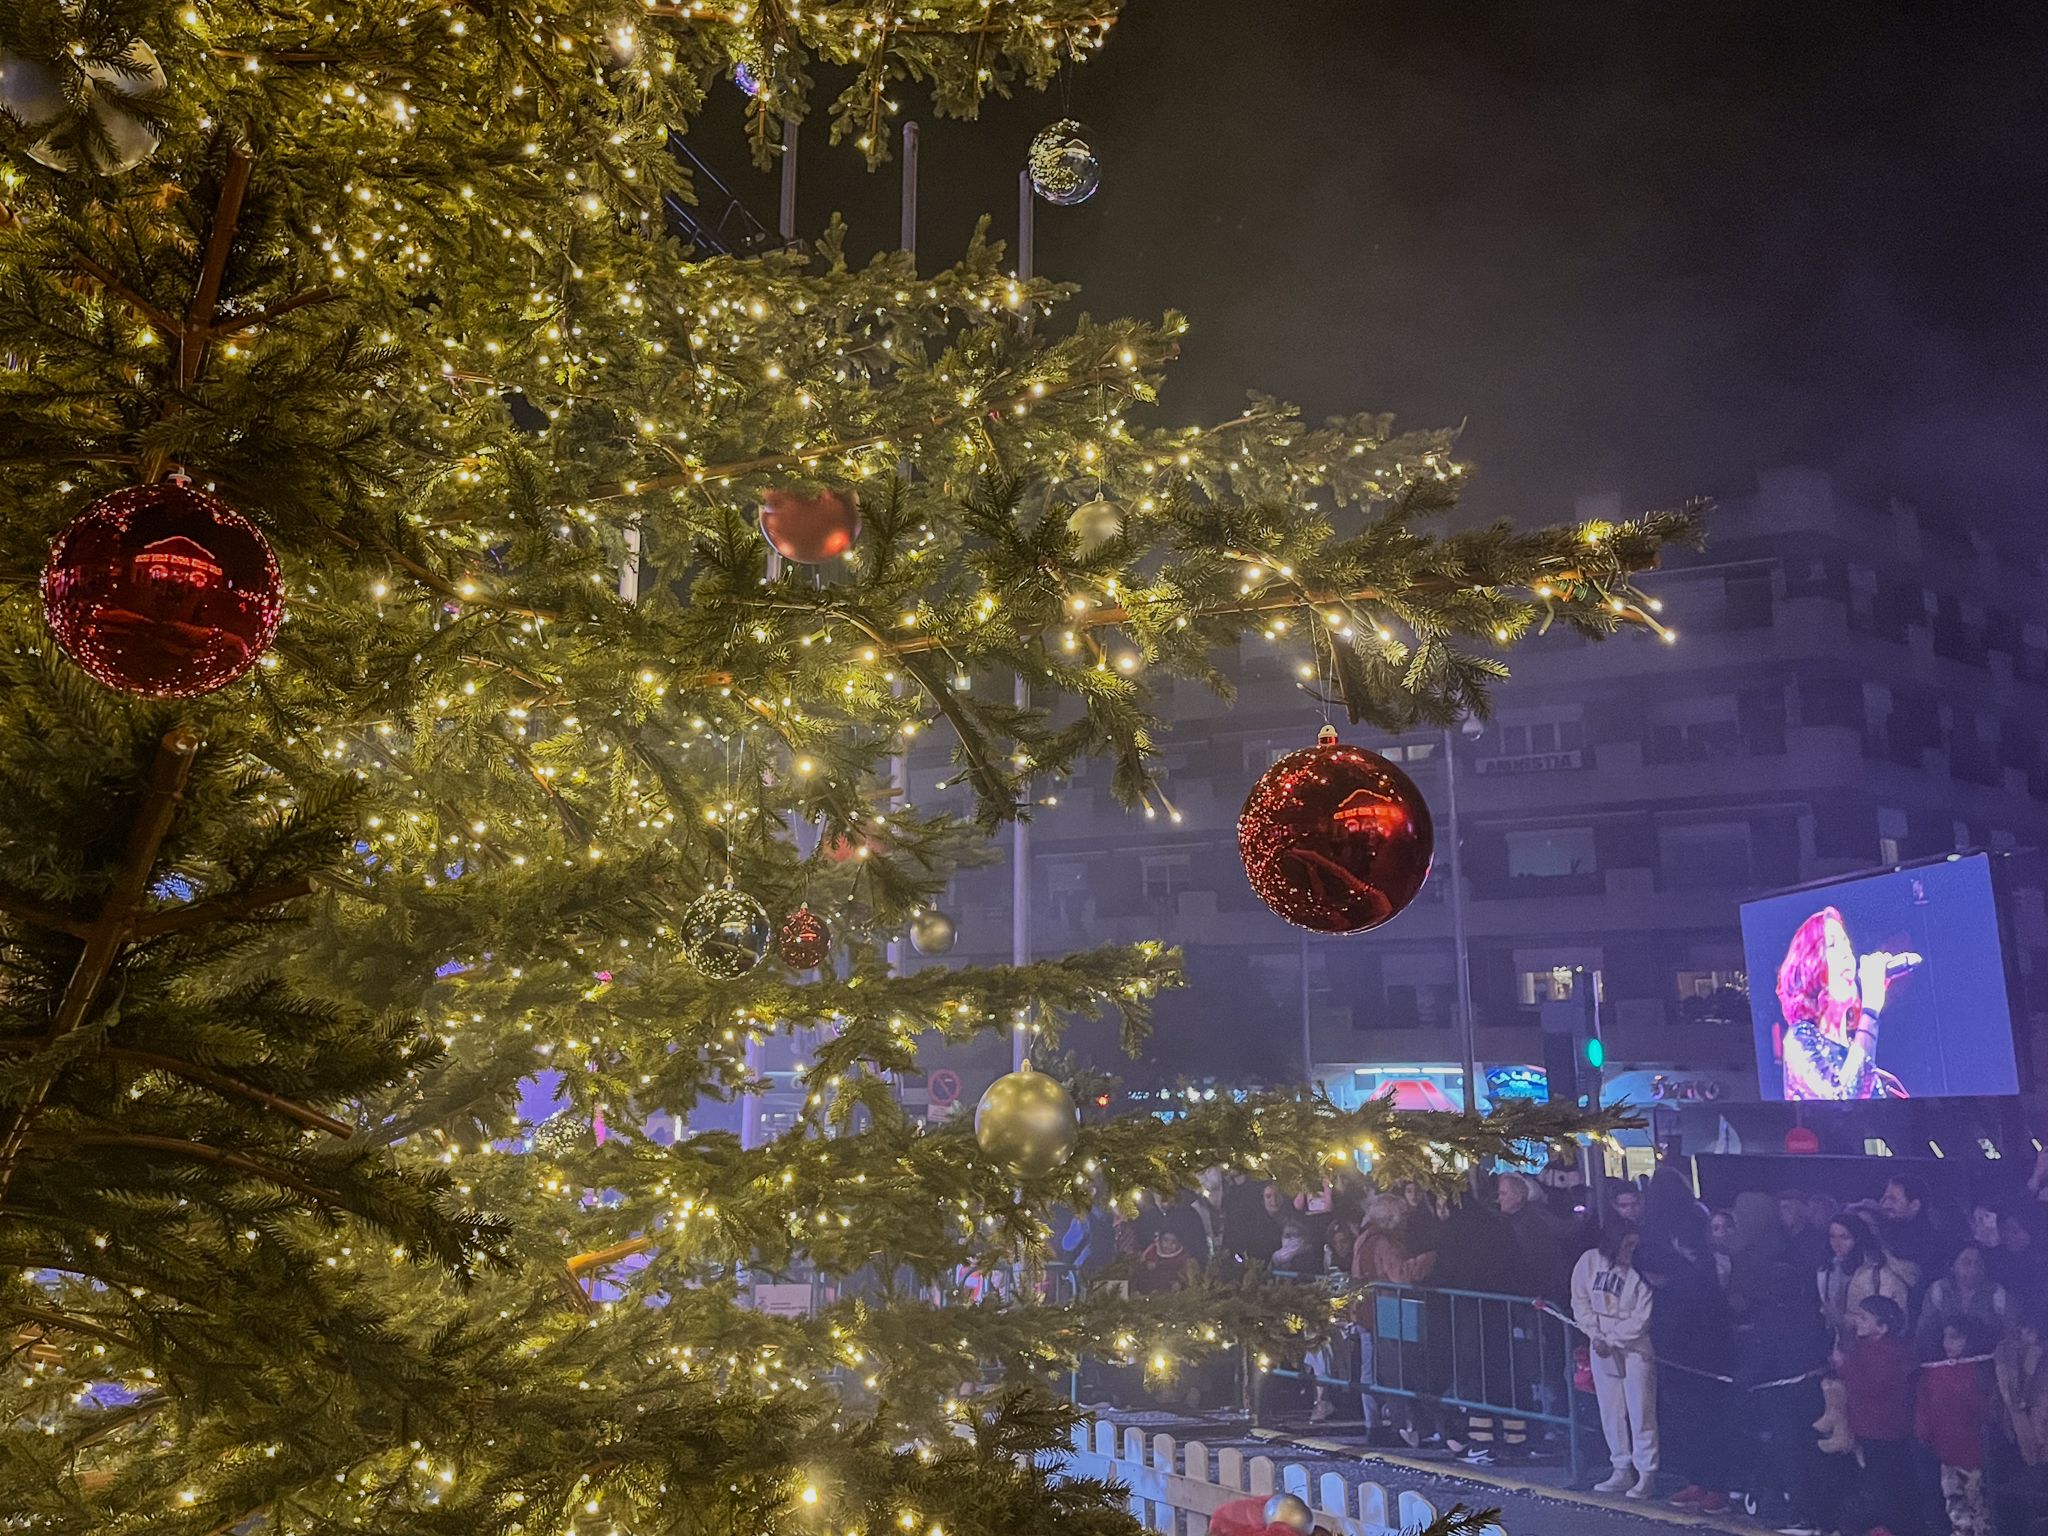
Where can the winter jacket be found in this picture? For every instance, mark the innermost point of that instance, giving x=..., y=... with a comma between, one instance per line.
x=1611, y=1303
x=1951, y=1410
x=1945, y=1305
x=1691, y=1324
x=1840, y=1295
x=2024, y=1395
x=1379, y=1255
x=1879, y=1375
x=1546, y=1240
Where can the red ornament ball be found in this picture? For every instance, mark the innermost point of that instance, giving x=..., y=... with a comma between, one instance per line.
x=1335, y=838
x=810, y=529
x=805, y=942
x=163, y=590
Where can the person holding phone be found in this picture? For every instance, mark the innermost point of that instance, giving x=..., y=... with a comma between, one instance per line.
x=1831, y=998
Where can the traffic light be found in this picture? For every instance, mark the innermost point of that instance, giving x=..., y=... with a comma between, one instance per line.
x=1596, y=1054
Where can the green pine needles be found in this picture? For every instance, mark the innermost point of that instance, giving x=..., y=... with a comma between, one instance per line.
x=274, y=961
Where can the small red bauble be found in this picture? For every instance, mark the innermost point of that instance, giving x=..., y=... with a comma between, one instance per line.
x=810, y=529
x=805, y=943
x=163, y=590
x=1335, y=838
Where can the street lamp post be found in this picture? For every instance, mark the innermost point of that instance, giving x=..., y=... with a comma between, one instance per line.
x=1467, y=1031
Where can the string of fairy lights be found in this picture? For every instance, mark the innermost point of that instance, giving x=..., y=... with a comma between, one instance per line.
x=838, y=368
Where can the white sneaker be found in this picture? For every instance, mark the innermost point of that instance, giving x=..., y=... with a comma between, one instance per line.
x=1620, y=1478
x=1645, y=1487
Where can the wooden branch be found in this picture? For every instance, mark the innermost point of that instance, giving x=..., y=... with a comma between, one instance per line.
x=599, y=1257
x=225, y=909
x=220, y=239
x=179, y=1148
x=14, y=905
x=311, y=1118
x=115, y=1420
x=103, y=942
x=270, y=312
x=162, y=319
x=211, y=1078
x=58, y=1322
x=682, y=10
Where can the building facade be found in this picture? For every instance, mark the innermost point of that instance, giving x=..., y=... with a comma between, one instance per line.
x=1850, y=687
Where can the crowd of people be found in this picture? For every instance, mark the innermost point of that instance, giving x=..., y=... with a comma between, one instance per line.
x=1873, y=1368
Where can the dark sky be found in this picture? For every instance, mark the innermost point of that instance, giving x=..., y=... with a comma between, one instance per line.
x=1643, y=247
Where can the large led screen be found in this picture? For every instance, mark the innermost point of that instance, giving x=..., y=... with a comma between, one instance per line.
x=1889, y=985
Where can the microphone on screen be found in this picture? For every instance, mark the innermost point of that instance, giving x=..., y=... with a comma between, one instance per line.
x=1899, y=965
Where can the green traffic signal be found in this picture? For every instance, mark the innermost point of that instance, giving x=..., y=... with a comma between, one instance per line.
x=1596, y=1053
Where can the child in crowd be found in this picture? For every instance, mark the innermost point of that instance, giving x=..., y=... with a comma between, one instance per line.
x=1951, y=1413
x=1877, y=1369
x=1165, y=1266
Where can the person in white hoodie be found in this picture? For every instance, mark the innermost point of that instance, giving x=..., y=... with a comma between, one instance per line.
x=1611, y=1302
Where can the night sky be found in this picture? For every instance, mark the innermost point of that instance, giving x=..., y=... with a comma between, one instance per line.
x=1636, y=247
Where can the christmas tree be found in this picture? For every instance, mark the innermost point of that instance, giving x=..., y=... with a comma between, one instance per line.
x=289, y=918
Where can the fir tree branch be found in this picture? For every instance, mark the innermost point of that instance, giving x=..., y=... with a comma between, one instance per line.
x=103, y=943
x=194, y=334
x=174, y=1147
x=210, y=1078
x=223, y=909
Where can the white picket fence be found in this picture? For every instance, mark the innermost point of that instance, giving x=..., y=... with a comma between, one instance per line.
x=1176, y=1487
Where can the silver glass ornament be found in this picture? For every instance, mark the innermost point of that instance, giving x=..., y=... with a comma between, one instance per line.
x=108, y=133
x=725, y=933
x=1062, y=164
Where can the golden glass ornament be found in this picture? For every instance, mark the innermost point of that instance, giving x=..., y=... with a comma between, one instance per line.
x=1094, y=523
x=1027, y=1122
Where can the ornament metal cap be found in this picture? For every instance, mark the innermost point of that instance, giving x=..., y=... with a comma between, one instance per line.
x=1327, y=736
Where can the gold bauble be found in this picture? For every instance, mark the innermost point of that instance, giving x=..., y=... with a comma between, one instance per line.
x=1027, y=1122
x=1094, y=523
x=1287, y=1509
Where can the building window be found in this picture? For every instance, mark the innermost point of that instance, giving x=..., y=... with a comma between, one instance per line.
x=1066, y=877
x=1165, y=875
x=1550, y=852
x=1704, y=855
x=1713, y=997
x=1891, y=834
x=1531, y=737
x=1554, y=984
x=1694, y=731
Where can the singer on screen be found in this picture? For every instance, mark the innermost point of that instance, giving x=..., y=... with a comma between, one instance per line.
x=1831, y=998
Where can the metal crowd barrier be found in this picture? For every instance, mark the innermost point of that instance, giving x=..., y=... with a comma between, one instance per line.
x=1479, y=1352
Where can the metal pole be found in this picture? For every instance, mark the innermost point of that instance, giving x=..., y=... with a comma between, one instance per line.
x=1020, y=893
x=788, y=211
x=1467, y=1043
x=1308, y=1039
x=908, y=238
x=1026, y=226
x=1020, y=830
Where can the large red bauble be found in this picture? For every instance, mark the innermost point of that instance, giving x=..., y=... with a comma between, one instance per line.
x=1335, y=838
x=810, y=529
x=163, y=590
x=804, y=943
